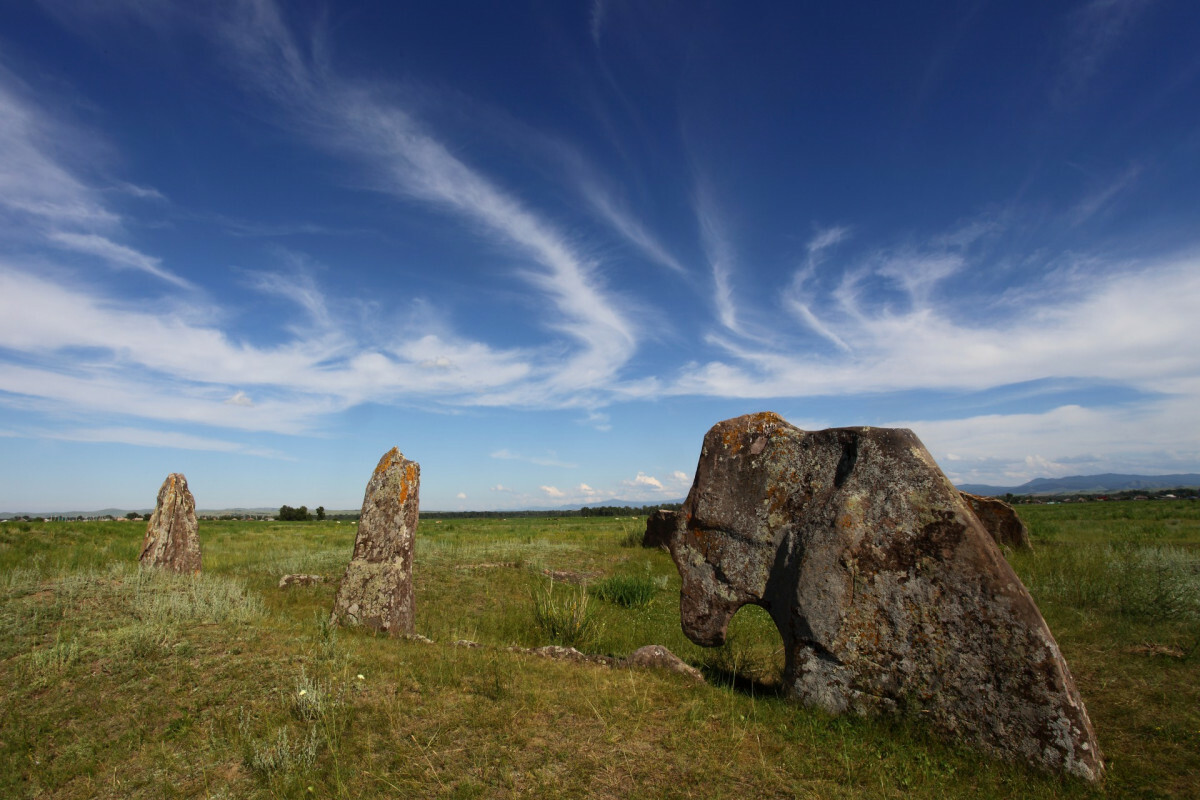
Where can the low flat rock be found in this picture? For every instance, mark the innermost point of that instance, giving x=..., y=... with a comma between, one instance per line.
x=377, y=588
x=889, y=594
x=300, y=580
x=1000, y=520
x=655, y=656
x=172, y=536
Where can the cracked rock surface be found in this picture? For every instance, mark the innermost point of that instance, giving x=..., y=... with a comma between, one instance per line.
x=888, y=592
x=377, y=588
x=172, y=535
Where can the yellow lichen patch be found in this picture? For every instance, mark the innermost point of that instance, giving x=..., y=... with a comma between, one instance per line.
x=386, y=462
x=410, y=478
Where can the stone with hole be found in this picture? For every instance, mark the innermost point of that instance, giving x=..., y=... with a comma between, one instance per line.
x=377, y=588
x=172, y=536
x=889, y=594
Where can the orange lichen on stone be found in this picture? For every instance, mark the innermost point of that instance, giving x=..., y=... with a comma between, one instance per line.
x=386, y=462
x=410, y=479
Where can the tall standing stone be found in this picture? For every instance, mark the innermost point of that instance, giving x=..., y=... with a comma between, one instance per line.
x=172, y=538
x=377, y=588
x=889, y=594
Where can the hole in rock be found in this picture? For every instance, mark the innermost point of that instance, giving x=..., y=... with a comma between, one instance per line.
x=751, y=660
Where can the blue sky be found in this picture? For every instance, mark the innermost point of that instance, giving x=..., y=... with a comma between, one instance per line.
x=542, y=247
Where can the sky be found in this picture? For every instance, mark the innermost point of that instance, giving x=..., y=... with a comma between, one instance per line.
x=543, y=246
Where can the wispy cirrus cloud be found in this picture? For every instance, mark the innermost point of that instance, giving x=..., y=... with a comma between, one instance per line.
x=1094, y=31
x=718, y=249
x=550, y=460
x=42, y=199
x=117, y=255
x=35, y=187
x=144, y=437
x=1121, y=325
x=408, y=161
x=1102, y=197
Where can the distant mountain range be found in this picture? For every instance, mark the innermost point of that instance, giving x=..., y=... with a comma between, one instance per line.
x=1089, y=484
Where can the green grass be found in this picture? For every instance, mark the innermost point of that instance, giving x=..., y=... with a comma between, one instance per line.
x=630, y=591
x=118, y=683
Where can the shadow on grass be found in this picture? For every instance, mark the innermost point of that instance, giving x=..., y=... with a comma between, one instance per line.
x=748, y=685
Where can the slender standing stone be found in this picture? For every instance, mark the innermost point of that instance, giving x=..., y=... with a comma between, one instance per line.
x=377, y=589
x=172, y=538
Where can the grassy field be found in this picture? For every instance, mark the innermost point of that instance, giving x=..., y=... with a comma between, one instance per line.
x=118, y=683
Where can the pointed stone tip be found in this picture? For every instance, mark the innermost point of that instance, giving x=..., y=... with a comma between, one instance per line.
x=389, y=458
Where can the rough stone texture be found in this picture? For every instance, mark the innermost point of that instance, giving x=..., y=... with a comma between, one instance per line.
x=377, y=589
x=655, y=656
x=889, y=594
x=300, y=580
x=1000, y=520
x=658, y=528
x=172, y=536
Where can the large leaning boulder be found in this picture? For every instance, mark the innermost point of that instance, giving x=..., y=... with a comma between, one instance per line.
x=889, y=594
x=658, y=528
x=1000, y=520
x=377, y=589
x=172, y=535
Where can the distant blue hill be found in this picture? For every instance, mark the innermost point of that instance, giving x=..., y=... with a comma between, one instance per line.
x=1089, y=484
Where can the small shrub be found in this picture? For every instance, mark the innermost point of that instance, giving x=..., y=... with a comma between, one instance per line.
x=565, y=619
x=630, y=591
x=279, y=754
x=311, y=699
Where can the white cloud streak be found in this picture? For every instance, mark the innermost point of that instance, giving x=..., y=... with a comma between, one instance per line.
x=543, y=461
x=409, y=162
x=718, y=249
x=142, y=437
x=115, y=254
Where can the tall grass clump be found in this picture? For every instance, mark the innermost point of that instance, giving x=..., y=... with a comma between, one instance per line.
x=1153, y=583
x=629, y=591
x=565, y=618
x=162, y=595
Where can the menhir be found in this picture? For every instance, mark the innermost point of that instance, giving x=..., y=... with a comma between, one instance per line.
x=377, y=588
x=172, y=535
x=888, y=592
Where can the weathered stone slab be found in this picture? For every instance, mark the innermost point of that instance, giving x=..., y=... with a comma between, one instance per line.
x=377, y=589
x=300, y=580
x=1000, y=520
x=172, y=535
x=658, y=528
x=889, y=594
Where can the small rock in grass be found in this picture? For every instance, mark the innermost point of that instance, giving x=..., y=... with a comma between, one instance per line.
x=655, y=656
x=300, y=580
